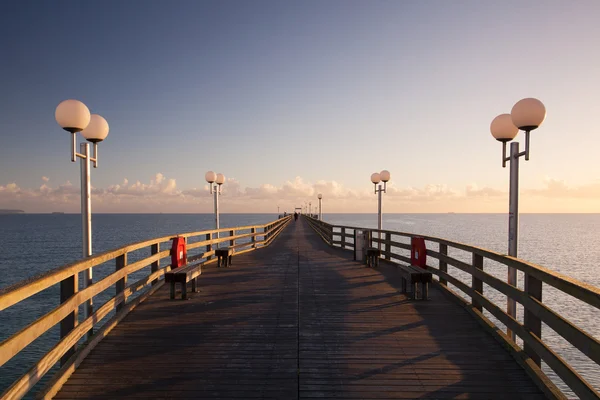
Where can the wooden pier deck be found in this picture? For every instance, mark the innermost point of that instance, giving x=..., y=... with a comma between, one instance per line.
x=299, y=319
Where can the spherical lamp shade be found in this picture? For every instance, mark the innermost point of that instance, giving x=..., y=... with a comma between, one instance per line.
x=72, y=115
x=97, y=129
x=320, y=196
x=503, y=129
x=220, y=179
x=210, y=177
x=375, y=178
x=384, y=175
x=528, y=114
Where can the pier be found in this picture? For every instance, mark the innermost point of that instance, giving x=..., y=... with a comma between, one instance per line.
x=295, y=316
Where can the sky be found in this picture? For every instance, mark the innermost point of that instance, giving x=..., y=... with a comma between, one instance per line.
x=291, y=99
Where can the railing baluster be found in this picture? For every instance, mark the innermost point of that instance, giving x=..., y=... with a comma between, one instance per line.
x=253, y=239
x=476, y=283
x=343, y=237
x=68, y=287
x=121, y=262
x=232, y=241
x=209, y=246
x=533, y=324
x=155, y=249
x=388, y=246
x=443, y=265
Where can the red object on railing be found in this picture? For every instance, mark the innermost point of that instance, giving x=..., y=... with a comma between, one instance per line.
x=178, y=252
x=418, y=252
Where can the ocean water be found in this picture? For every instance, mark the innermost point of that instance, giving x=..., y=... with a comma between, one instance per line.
x=34, y=243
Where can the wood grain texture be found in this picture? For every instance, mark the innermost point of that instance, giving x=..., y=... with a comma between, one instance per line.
x=298, y=319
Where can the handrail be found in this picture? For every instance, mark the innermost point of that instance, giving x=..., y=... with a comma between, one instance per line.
x=536, y=311
x=66, y=313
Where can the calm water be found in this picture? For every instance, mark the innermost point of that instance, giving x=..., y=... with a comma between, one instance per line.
x=31, y=244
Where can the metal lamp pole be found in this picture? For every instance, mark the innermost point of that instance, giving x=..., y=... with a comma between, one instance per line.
x=527, y=115
x=320, y=197
x=73, y=116
x=219, y=179
x=310, y=208
x=383, y=176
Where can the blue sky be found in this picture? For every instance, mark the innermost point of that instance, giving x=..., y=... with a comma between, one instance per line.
x=291, y=98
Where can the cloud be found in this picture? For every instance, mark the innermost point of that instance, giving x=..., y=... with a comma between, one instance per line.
x=161, y=194
x=473, y=190
x=45, y=178
x=559, y=189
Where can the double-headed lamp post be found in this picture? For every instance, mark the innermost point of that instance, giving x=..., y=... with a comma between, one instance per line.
x=219, y=179
x=376, y=178
x=74, y=116
x=320, y=197
x=527, y=115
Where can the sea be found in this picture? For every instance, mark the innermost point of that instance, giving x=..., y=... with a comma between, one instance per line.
x=31, y=244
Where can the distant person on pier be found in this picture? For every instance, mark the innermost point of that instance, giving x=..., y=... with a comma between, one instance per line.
x=295, y=216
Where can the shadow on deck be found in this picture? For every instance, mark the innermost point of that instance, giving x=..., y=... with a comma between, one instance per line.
x=299, y=319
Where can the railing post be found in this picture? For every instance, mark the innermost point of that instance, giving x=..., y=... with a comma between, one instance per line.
x=533, y=324
x=68, y=287
x=155, y=249
x=343, y=237
x=253, y=238
x=388, y=246
x=232, y=241
x=476, y=283
x=121, y=262
x=209, y=246
x=443, y=265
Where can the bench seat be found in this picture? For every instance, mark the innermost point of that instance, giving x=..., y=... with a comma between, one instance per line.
x=224, y=257
x=373, y=254
x=414, y=276
x=183, y=275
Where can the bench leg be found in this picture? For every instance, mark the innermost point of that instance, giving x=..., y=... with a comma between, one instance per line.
x=194, y=285
x=172, y=296
x=403, y=286
x=183, y=291
x=425, y=286
x=229, y=262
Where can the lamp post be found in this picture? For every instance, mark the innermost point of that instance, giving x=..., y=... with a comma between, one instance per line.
x=74, y=116
x=310, y=209
x=527, y=115
x=383, y=176
x=320, y=197
x=219, y=179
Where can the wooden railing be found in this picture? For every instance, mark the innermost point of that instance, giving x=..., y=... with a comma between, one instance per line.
x=535, y=311
x=241, y=239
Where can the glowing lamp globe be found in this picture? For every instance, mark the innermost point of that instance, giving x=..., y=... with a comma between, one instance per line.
x=72, y=115
x=320, y=196
x=528, y=114
x=384, y=175
x=375, y=178
x=220, y=179
x=210, y=177
x=97, y=129
x=503, y=129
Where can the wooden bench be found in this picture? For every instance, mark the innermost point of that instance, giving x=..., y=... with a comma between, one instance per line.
x=414, y=276
x=373, y=254
x=183, y=275
x=224, y=257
